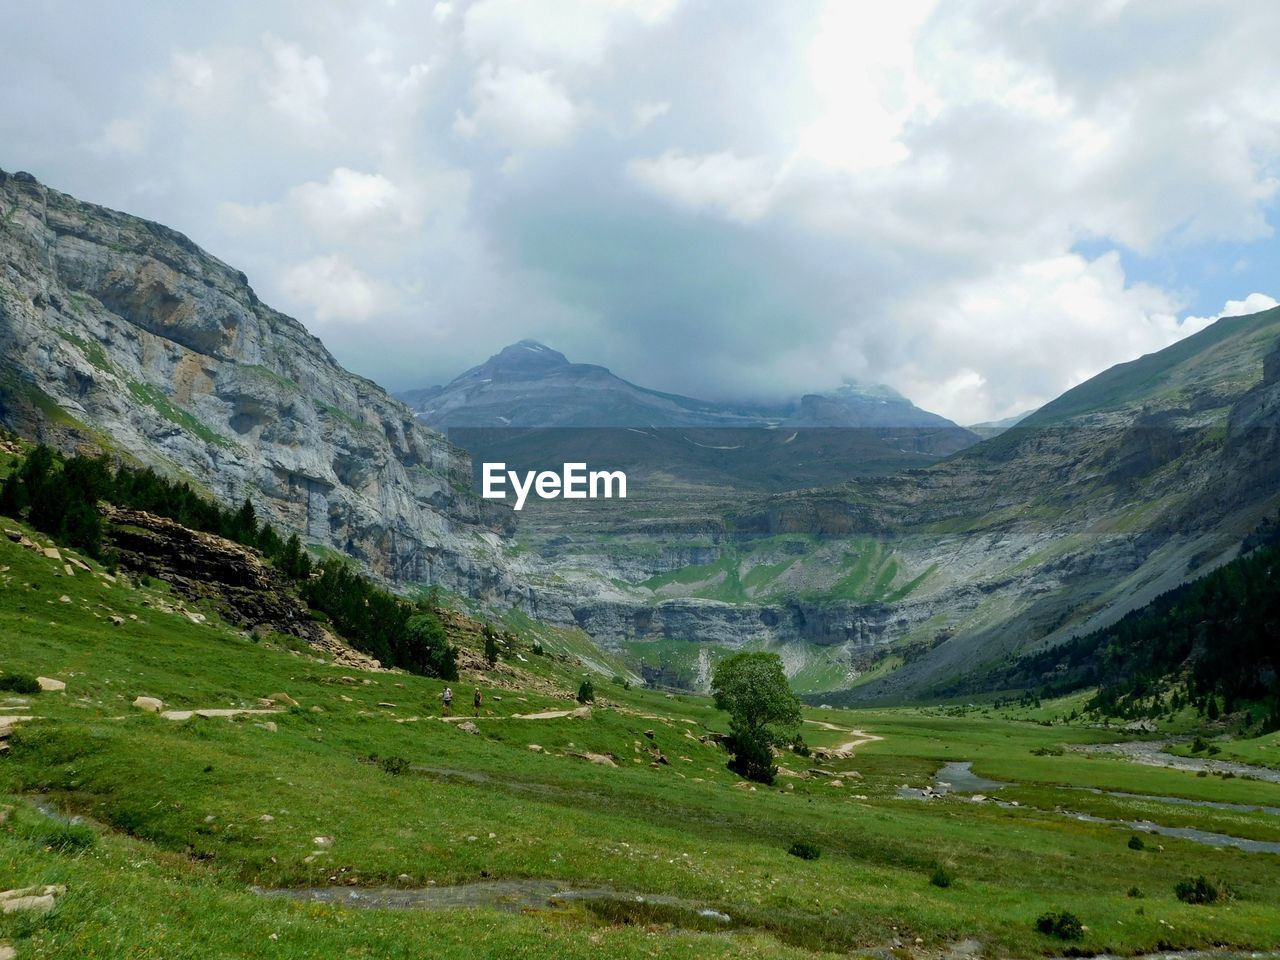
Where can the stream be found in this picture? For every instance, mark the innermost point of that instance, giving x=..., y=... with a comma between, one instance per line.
x=1152, y=753
x=958, y=777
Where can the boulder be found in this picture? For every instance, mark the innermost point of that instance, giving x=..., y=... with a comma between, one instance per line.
x=42, y=904
x=602, y=759
x=150, y=704
x=30, y=899
x=49, y=685
x=281, y=698
x=468, y=727
x=7, y=952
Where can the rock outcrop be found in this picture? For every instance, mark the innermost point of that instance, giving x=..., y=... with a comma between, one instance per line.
x=203, y=567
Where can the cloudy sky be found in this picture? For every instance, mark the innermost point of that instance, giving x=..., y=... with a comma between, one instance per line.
x=980, y=204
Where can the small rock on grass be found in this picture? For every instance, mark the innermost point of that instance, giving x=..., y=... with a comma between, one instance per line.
x=468, y=727
x=7, y=952
x=49, y=685
x=150, y=704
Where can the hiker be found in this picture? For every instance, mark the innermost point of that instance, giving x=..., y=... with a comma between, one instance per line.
x=447, y=697
x=478, y=699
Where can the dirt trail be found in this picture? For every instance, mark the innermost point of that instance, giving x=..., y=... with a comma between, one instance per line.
x=842, y=751
x=583, y=712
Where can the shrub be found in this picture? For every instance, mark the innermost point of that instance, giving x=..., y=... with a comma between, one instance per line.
x=1051, y=751
x=396, y=766
x=1214, y=750
x=752, y=757
x=1063, y=925
x=798, y=746
x=1195, y=890
x=586, y=692
x=537, y=648
x=18, y=683
x=941, y=877
x=805, y=850
x=1135, y=893
x=1137, y=843
x=1198, y=745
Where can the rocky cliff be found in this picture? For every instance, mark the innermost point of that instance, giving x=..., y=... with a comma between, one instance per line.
x=122, y=334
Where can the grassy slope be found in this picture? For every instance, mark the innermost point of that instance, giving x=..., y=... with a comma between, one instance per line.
x=180, y=808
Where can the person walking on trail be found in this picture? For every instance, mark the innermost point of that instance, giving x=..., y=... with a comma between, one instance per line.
x=479, y=699
x=447, y=697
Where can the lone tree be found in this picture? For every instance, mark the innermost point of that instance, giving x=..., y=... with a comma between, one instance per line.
x=762, y=711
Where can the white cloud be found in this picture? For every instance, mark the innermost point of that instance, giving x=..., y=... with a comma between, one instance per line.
x=123, y=136
x=1026, y=333
x=569, y=32
x=348, y=199
x=521, y=108
x=645, y=113
x=334, y=290
x=298, y=84
x=739, y=188
x=1253, y=303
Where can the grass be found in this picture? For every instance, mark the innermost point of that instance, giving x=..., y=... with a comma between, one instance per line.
x=153, y=397
x=184, y=816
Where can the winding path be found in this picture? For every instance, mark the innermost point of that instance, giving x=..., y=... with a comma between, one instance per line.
x=842, y=751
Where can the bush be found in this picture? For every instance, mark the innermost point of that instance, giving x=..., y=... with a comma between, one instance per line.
x=1195, y=890
x=537, y=648
x=18, y=683
x=1198, y=745
x=396, y=766
x=941, y=877
x=1137, y=843
x=1135, y=893
x=1051, y=751
x=586, y=692
x=1063, y=925
x=799, y=747
x=752, y=757
x=805, y=850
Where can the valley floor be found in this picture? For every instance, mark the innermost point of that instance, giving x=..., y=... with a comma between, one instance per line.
x=611, y=832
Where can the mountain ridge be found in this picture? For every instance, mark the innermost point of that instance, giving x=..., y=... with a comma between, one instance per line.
x=528, y=384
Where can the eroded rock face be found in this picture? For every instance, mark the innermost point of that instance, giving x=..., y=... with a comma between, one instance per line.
x=122, y=334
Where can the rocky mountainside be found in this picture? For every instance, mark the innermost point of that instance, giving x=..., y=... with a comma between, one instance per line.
x=122, y=334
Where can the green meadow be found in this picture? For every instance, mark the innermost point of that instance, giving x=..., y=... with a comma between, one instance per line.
x=653, y=847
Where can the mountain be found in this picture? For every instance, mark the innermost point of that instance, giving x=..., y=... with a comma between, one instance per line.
x=528, y=406
x=528, y=384
x=121, y=334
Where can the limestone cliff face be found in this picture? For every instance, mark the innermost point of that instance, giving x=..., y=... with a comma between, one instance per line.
x=121, y=333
